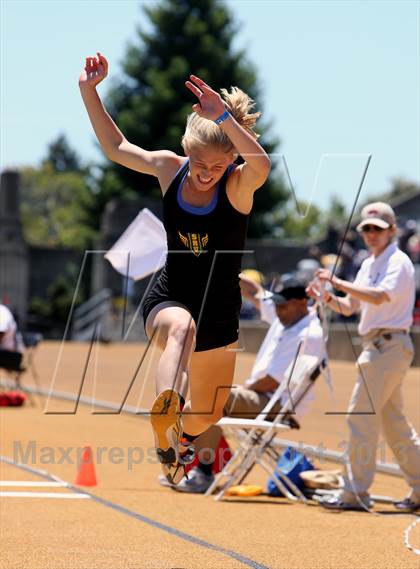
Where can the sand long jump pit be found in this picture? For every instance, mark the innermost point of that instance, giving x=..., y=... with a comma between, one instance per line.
x=127, y=520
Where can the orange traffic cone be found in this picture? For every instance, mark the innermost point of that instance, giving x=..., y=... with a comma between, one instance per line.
x=86, y=474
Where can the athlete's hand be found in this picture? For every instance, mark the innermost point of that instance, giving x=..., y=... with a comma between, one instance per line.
x=210, y=104
x=95, y=71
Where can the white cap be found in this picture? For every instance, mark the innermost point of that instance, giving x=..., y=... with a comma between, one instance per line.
x=377, y=213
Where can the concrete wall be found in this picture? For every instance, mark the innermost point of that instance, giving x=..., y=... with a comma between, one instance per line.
x=47, y=263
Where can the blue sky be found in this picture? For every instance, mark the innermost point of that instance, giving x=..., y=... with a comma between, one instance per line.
x=340, y=80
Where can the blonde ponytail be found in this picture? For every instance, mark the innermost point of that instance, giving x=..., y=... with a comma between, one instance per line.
x=239, y=104
x=202, y=132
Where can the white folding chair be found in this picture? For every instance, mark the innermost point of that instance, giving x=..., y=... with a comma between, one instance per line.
x=254, y=436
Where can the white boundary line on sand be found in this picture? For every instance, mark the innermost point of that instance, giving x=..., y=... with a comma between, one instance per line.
x=37, y=484
x=31, y=484
x=69, y=496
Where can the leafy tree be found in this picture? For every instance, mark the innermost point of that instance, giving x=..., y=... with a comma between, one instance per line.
x=303, y=222
x=337, y=211
x=150, y=102
x=400, y=188
x=57, y=200
x=53, y=310
x=62, y=157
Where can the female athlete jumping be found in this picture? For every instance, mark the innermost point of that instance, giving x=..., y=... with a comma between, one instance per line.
x=192, y=311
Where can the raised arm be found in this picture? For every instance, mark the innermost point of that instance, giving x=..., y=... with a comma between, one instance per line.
x=346, y=306
x=253, y=173
x=116, y=147
x=249, y=290
x=370, y=294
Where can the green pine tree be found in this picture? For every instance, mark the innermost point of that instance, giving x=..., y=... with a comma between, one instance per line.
x=150, y=102
x=57, y=199
x=61, y=156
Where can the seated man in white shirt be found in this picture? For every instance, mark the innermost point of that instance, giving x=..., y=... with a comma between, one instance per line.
x=294, y=328
x=11, y=345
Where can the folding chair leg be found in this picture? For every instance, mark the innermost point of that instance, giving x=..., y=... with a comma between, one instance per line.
x=251, y=466
x=19, y=385
x=218, y=478
x=282, y=479
x=225, y=473
x=248, y=453
x=278, y=482
x=34, y=372
x=239, y=474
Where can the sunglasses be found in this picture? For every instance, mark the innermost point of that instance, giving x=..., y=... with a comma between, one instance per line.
x=375, y=228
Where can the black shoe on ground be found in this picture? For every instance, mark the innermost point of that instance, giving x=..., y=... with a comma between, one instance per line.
x=409, y=504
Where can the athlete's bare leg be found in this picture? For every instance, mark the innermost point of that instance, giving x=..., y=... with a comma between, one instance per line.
x=173, y=330
x=211, y=376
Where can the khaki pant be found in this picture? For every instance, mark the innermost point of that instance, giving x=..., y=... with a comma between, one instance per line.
x=377, y=403
x=242, y=403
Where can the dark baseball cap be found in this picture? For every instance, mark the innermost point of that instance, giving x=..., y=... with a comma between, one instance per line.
x=287, y=289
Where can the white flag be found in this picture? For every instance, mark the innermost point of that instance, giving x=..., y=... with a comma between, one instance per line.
x=141, y=249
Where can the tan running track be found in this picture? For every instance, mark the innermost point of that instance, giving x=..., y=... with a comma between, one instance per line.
x=131, y=522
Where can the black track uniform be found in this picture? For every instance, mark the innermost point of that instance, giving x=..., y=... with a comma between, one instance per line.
x=203, y=264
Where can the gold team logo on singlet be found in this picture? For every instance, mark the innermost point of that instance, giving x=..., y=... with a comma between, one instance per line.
x=195, y=242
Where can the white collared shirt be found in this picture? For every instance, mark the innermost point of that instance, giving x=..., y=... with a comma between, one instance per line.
x=280, y=345
x=8, y=327
x=392, y=272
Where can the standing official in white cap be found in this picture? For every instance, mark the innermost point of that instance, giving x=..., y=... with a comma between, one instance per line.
x=383, y=292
